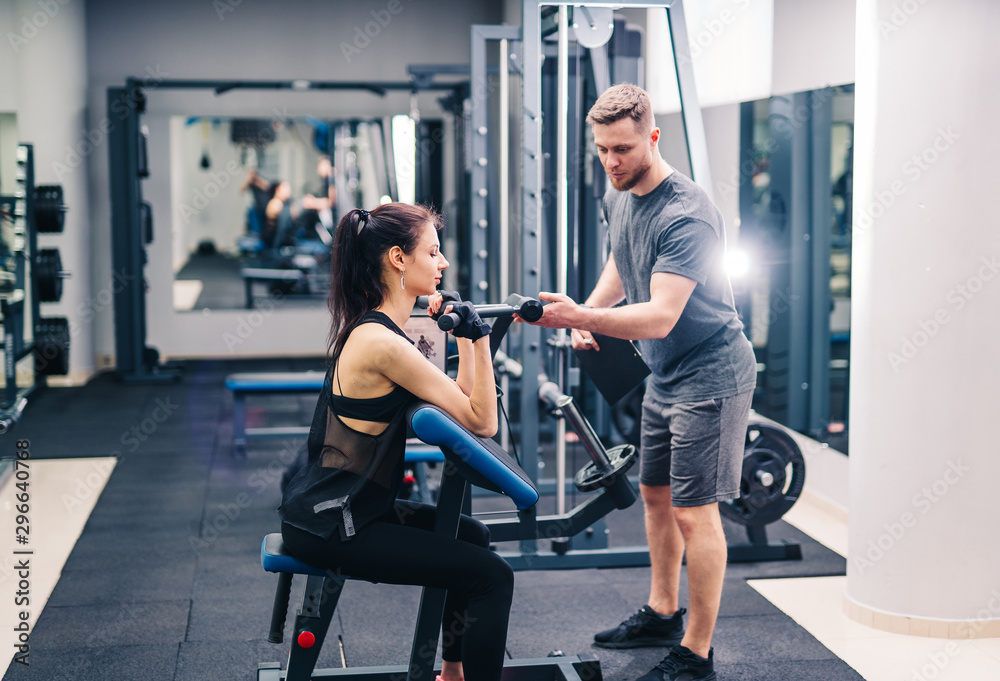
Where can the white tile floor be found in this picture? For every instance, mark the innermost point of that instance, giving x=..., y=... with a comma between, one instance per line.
x=62, y=493
x=816, y=604
x=186, y=292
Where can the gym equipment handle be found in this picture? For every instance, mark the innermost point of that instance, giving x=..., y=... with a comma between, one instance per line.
x=280, y=609
x=9, y=419
x=529, y=309
x=551, y=394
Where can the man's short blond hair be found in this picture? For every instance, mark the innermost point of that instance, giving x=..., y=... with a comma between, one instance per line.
x=622, y=101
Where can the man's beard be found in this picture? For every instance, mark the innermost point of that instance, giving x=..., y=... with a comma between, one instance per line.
x=630, y=181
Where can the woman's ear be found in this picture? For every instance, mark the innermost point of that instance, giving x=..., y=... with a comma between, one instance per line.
x=395, y=255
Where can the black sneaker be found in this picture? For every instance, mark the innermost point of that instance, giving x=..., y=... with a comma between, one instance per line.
x=682, y=665
x=645, y=628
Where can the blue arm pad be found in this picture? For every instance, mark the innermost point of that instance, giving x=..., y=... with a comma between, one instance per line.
x=488, y=462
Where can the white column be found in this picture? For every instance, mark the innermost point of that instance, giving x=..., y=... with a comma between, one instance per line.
x=52, y=115
x=924, y=553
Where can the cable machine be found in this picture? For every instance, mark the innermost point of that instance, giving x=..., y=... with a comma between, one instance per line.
x=550, y=236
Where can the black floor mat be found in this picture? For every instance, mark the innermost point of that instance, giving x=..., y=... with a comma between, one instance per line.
x=165, y=581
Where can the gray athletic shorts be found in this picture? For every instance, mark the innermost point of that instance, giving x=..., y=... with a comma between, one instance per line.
x=695, y=447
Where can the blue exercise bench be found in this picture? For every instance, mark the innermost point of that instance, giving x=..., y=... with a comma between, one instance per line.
x=469, y=460
x=243, y=385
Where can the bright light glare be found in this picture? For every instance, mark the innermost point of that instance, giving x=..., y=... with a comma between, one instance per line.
x=385, y=198
x=404, y=149
x=737, y=263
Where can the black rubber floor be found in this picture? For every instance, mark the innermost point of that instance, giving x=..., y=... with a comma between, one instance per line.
x=165, y=581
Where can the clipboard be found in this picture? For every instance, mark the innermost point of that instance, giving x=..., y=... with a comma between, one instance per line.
x=616, y=369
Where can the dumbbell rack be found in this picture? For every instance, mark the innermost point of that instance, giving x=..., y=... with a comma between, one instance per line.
x=21, y=294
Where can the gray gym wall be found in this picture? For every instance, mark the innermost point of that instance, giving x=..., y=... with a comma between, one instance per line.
x=8, y=161
x=813, y=47
x=190, y=39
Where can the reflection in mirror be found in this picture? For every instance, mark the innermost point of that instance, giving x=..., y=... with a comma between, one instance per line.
x=256, y=202
x=796, y=196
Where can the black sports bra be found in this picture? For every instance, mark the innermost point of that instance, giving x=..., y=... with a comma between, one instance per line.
x=378, y=409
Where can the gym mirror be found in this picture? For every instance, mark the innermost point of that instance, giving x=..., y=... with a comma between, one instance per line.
x=256, y=201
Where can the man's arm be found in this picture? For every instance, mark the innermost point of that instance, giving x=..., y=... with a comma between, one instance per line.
x=669, y=294
x=317, y=203
x=256, y=180
x=273, y=209
x=608, y=290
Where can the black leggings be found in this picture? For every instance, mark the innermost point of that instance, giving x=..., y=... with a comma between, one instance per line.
x=402, y=548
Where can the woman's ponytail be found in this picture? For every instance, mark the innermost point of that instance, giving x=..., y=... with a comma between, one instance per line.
x=362, y=238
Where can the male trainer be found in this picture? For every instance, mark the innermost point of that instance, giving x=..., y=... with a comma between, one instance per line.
x=666, y=262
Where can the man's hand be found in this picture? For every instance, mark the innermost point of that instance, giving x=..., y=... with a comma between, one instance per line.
x=562, y=312
x=583, y=340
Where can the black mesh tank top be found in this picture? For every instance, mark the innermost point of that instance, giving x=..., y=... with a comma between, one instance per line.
x=350, y=478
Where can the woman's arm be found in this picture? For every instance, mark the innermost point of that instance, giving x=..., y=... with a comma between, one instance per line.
x=473, y=404
x=466, y=378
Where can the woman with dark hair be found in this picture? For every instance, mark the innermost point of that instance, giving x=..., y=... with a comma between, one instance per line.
x=340, y=511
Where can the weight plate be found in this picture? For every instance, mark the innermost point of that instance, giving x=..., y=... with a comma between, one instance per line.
x=620, y=458
x=51, y=346
x=48, y=275
x=774, y=473
x=49, y=208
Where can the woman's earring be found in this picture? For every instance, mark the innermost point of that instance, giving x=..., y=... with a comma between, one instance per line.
x=402, y=280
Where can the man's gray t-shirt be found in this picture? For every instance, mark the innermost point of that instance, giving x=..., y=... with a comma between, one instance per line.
x=677, y=229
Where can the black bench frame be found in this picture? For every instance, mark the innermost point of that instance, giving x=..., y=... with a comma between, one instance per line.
x=322, y=594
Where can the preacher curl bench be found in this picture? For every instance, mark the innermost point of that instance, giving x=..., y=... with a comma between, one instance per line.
x=468, y=460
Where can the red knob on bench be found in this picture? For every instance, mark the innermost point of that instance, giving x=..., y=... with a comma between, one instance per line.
x=306, y=639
